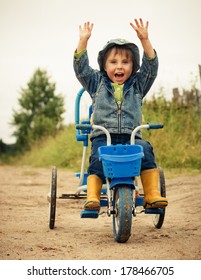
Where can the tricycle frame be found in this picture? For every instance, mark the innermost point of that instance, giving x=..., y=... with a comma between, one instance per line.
x=110, y=191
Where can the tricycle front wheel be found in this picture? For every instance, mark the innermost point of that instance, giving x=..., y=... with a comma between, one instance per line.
x=122, y=217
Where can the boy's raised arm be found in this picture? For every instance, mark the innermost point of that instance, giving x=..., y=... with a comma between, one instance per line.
x=142, y=33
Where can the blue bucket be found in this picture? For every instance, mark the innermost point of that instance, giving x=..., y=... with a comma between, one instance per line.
x=121, y=160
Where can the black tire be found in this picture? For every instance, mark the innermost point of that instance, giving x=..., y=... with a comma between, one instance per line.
x=53, y=197
x=122, y=217
x=158, y=219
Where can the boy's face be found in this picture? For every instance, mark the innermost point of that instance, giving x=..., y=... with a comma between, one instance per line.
x=119, y=65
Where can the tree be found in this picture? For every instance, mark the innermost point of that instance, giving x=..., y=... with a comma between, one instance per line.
x=40, y=112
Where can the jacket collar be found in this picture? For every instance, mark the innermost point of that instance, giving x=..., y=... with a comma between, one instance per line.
x=127, y=84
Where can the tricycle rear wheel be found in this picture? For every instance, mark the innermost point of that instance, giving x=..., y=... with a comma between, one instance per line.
x=53, y=197
x=122, y=217
x=158, y=219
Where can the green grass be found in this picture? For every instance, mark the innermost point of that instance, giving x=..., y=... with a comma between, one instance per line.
x=177, y=146
x=62, y=151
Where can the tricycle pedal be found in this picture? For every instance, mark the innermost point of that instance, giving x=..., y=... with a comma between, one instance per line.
x=154, y=211
x=89, y=214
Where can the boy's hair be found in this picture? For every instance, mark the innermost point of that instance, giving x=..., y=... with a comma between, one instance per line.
x=120, y=49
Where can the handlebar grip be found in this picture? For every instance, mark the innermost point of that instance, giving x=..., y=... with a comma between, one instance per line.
x=155, y=125
x=84, y=126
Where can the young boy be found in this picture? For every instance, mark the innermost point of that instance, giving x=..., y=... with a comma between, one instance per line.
x=117, y=91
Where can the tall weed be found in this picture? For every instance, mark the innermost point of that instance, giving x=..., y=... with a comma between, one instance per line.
x=178, y=144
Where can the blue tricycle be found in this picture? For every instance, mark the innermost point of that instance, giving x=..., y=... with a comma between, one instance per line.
x=121, y=165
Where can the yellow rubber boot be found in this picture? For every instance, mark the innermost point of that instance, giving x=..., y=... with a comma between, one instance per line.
x=94, y=186
x=152, y=197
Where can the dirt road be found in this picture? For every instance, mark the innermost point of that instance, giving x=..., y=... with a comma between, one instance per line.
x=25, y=234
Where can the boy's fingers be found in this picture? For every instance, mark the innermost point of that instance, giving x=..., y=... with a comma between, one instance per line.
x=132, y=25
x=136, y=22
x=141, y=22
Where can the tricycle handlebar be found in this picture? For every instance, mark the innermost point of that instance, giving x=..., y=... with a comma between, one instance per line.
x=84, y=126
x=147, y=126
x=155, y=125
x=93, y=126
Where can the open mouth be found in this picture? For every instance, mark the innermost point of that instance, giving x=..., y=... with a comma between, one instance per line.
x=119, y=75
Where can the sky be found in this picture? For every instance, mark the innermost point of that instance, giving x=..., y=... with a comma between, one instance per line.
x=44, y=34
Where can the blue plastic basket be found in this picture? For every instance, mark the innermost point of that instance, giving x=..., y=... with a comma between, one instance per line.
x=121, y=160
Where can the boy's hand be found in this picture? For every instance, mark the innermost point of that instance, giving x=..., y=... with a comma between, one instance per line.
x=141, y=30
x=142, y=33
x=85, y=33
x=86, y=30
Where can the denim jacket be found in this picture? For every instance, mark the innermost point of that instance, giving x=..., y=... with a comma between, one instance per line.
x=106, y=112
